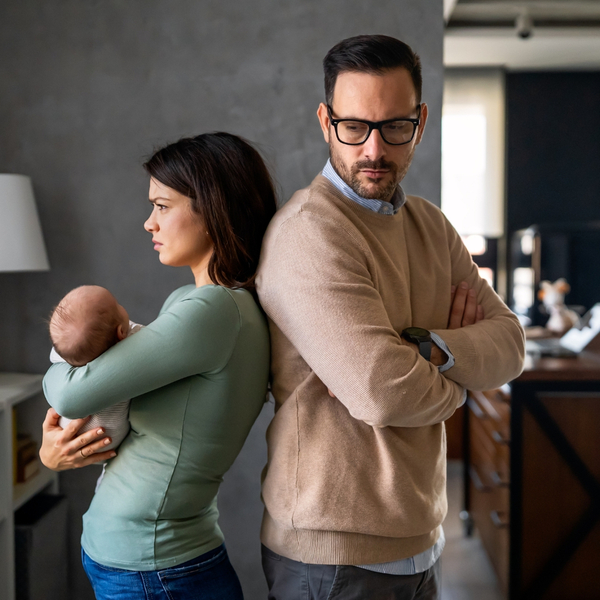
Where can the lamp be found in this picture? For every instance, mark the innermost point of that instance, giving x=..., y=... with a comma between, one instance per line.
x=21, y=243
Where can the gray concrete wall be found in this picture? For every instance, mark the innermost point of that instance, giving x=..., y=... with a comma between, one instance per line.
x=88, y=88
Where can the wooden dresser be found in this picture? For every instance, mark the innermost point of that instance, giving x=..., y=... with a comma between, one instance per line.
x=532, y=479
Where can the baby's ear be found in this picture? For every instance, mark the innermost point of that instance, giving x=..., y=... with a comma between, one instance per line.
x=121, y=333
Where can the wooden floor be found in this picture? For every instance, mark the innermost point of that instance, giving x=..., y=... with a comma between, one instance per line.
x=466, y=572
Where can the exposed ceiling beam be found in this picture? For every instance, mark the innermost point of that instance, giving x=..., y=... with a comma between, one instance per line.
x=559, y=10
x=561, y=48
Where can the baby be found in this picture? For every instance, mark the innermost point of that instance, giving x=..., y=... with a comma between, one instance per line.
x=86, y=323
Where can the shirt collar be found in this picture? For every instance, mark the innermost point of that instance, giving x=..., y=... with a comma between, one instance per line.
x=378, y=206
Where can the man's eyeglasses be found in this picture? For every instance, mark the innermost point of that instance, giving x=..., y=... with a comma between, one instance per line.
x=393, y=131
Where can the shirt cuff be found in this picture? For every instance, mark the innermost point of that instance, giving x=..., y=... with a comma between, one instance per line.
x=441, y=344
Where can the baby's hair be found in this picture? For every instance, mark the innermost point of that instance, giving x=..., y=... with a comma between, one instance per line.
x=80, y=336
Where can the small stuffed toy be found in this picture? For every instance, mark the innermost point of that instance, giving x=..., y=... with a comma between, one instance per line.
x=553, y=296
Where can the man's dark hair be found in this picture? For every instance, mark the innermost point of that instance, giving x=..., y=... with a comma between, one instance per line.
x=374, y=54
x=230, y=188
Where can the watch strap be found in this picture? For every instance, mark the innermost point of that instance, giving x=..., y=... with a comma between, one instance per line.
x=421, y=337
x=425, y=349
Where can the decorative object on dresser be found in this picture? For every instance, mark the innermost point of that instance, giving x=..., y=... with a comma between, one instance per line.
x=552, y=296
x=532, y=478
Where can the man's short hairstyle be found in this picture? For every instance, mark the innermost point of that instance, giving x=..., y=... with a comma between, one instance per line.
x=374, y=54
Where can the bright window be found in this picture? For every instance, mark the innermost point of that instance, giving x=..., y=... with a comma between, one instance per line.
x=473, y=151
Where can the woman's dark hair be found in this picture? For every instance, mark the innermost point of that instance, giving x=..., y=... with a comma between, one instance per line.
x=231, y=190
x=370, y=54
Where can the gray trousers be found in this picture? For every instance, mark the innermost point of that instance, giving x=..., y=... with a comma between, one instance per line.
x=292, y=580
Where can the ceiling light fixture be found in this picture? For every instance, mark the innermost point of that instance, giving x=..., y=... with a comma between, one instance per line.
x=524, y=25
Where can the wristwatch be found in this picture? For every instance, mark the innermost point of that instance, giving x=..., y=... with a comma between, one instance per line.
x=421, y=337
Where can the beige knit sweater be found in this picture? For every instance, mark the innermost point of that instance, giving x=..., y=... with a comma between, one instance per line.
x=360, y=479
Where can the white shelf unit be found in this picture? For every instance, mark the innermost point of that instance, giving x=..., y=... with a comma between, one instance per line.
x=23, y=393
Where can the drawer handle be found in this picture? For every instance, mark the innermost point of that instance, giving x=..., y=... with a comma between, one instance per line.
x=479, y=485
x=499, y=438
x=498, y=521
x=497, y=480
x=477, y=410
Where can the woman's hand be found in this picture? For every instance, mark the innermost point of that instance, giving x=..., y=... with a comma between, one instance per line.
x=63, y=449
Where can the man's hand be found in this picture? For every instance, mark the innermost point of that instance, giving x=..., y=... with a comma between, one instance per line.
x=63, y=449
x=464, y=310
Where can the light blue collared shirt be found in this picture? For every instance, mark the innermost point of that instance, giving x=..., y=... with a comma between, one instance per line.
x=426, y=559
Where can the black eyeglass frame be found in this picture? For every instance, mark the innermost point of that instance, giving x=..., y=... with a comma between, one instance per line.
x=374, y=125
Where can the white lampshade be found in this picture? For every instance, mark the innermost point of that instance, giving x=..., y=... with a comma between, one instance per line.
x=21, y=242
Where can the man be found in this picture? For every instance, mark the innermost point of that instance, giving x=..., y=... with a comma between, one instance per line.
x=354, y=489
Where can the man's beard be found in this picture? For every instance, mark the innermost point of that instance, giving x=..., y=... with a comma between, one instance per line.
x=351, y=176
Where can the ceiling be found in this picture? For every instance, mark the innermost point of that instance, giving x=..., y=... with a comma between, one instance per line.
x=531, y=34
x=544, y=13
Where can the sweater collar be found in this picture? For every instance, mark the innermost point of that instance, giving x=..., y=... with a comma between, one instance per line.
x=378, y=206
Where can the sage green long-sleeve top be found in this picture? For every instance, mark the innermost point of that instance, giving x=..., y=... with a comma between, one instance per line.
x=197, y=377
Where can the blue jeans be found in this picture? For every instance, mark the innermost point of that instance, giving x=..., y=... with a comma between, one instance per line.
x=209, y=577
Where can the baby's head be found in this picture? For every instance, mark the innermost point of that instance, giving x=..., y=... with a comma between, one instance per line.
x=86, y=322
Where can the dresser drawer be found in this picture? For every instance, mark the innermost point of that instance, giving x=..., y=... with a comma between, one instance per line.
x=489, y=475
x=490, y=449
x=489, y=511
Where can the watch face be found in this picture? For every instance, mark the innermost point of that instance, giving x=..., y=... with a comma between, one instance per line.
x=418, y=332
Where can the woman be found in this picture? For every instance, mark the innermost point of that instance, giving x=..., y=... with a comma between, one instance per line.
x=197, y=376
